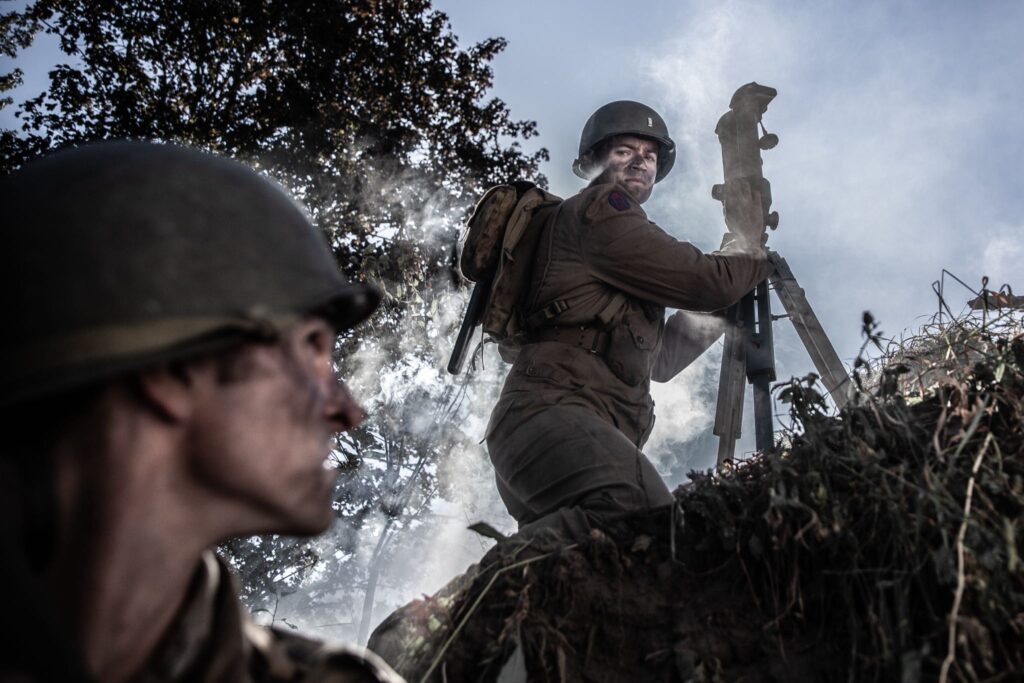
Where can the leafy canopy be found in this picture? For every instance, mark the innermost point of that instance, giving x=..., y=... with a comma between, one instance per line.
x=337, y=99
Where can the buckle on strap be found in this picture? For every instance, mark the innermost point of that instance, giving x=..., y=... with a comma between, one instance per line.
x=548, y=313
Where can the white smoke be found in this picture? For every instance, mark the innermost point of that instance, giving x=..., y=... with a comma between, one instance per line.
x=1001, y=258
x=685, y=411
x=896, y=151
x=410, y=390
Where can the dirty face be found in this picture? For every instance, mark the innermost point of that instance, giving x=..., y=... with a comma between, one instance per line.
x=632, y=162
x=265, y=429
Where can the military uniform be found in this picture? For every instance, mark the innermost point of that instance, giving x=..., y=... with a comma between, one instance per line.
x=214, y=639
x=576, y=409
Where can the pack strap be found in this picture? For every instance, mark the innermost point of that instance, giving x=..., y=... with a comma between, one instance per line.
x=549, y=312
x=607, y=314
x=586, y=337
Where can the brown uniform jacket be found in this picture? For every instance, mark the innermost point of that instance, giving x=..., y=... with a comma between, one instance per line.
x=602, y=263
x=213, y=639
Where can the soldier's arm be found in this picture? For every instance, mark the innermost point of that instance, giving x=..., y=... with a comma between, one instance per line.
x=625, y=250
x=687, y=336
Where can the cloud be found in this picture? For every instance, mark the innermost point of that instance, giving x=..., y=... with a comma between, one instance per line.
x=1001, y=258
x=891, y=128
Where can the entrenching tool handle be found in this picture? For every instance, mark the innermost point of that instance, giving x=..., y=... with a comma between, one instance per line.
x=474, y=315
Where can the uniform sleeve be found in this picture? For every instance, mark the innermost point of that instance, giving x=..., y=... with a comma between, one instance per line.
x=687, y=336
x=622, y=248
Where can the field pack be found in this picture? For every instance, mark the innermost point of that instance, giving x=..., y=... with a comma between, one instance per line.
x=497, y=253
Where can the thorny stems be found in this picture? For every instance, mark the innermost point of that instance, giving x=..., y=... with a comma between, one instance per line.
x=961, y=579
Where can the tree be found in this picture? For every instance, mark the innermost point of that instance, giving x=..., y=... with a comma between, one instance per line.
x=369, y=112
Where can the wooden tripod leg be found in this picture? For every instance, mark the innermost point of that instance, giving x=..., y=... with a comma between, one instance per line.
x=826, y=361
x=729, y=413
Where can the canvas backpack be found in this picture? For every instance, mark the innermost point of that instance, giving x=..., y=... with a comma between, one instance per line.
x=498, y=250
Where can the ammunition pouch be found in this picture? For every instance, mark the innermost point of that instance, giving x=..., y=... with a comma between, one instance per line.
x=627, y=348
x=630, y=351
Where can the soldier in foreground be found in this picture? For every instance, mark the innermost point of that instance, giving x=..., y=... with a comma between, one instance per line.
x=567, y=433
x=167, y=384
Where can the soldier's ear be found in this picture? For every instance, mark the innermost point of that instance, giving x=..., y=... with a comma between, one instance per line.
x=597, y=162
x=169, y=390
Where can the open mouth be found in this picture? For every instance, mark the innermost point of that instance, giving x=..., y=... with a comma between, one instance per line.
x=332, y=461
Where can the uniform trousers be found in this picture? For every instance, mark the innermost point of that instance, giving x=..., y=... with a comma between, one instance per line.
x=564, y=467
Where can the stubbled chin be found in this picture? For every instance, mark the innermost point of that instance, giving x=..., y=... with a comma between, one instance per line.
x=638, y=192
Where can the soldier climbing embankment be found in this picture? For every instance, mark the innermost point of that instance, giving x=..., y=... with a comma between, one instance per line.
x=567, y=433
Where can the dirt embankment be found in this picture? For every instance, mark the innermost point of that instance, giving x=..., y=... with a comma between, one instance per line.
x=883, y=544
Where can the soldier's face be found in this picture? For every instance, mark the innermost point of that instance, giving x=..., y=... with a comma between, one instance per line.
x=263, y=435
x=633, y=163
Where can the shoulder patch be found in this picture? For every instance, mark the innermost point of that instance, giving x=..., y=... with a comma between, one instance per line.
x=618, y=200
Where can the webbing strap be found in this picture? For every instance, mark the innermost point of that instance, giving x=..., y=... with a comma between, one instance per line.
x=607, y=314
x=549, y=312
x=585, y=337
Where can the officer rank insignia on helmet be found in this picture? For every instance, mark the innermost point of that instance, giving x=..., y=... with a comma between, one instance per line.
x=618, y=200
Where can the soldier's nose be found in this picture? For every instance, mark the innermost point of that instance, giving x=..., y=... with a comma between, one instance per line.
x=342, y=410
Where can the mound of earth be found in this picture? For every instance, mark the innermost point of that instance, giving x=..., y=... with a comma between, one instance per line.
x=882, y=544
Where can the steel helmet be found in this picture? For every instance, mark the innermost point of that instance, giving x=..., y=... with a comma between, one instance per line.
x=121, y=254
x=624, y=117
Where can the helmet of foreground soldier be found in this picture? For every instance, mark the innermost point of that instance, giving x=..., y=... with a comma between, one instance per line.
x=123, y=254
x=624, y=117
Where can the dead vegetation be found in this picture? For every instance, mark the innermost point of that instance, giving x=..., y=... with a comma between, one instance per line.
x=881, y=544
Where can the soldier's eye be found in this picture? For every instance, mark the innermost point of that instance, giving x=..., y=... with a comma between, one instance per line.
x=321, y=340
